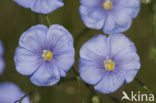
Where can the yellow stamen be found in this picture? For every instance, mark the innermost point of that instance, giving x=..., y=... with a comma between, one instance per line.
x=47, y=55
x=108, y=4
x=109, y=65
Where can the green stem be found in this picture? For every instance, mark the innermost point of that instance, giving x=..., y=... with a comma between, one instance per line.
x=79, y=84
x=48, y=20
x=144, y=86
x=42, y=18
x=80, y=35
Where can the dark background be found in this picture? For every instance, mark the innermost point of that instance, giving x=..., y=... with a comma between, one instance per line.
x=14, y=20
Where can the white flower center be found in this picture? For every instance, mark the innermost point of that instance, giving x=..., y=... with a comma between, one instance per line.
x=109, y=64
x=107, y=5
x=47, y=55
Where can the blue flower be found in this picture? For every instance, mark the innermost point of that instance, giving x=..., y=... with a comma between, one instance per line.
x=41, y=6
x=2, y=64
x=45, y=54
x=113, y=16
x=9, y=93
x=107, y=63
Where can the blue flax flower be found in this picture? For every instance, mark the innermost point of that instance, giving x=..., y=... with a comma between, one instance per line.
x=107, y=63
x=41, y=6
x=1, y=59
x=113, y=16
x=10, y=93
x=45, y=54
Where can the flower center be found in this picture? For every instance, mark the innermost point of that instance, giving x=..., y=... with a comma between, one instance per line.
x=47, y=55
x=109, y=64
x=107, y=5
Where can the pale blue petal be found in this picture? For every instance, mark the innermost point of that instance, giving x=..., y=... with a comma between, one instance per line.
x=2, y=64
x=130, y=75
x=120, y=43
x=34, y=38
x=127, y=61
x=9, y=93
x=46, y=6
x=122, y=19
x=90, y=71
x=129, y=3
x=26, y=61
x=95, y=48
x=117, y=22
x=123, y=52
x=93, y=17
x=132, y=12
x=1, y=48
x=58, y=38
x=60, y=42
x=25, y=3
x=46, y=75
x=129, y=64
x=110, y=25
x=91, y=2
x=64, y=59
x=109, y=83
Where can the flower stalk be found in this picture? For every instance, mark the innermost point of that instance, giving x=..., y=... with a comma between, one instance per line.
x=48, y=20
x=145, y=87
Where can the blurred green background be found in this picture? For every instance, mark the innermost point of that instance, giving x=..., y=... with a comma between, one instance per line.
x=14, y=20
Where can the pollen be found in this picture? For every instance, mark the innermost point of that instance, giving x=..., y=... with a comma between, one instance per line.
x=47, y=55
x=109, y=64
x=107, y=5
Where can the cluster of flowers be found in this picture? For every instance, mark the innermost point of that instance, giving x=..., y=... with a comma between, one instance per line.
x=46, y=54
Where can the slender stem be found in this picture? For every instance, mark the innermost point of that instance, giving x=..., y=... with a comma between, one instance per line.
x=42, y=18
x=80, y=35
x=48, y=20
x=144, y=86
x=79, y=84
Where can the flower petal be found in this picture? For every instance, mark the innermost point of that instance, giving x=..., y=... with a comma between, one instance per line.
x=91, y=2
x=25, y=3
x=58, y=38
x=64, y=59
x=9, y=93
x=129, y=3
x=109, y=83
x=90, y=71
x=34, y=38
x=109, y=25
x=128, y=61
x=46, y=75
x=46, y=6
x=131, y=7
x=92, y=16
x=2, y=64
x=1, y=48
x=60, y=42
x=130, y=75
x=117, y=22
x=132, y=12
x=95, y=48
x=26, y=61
x=120, y=43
